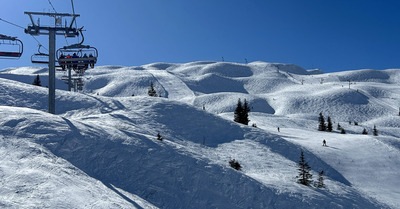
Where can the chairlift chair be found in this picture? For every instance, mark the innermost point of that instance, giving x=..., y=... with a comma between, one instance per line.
x=85, y=56
x=40, y=58
x=10, y=43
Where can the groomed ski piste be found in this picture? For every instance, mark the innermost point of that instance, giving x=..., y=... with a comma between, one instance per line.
x=100, y=149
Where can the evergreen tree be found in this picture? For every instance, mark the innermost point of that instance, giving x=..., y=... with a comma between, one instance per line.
x=343, y=131
x=159, y=137
x=235, y=164
x=152, y=92
x=37, y=81
x=304, y=177
x=320, y=183
x=365, y=132
x=329, y=127
x=241, y=114
x=238, y=112
x=339, y=127
x=321, y=126
x=245, y=114
x=375, y=131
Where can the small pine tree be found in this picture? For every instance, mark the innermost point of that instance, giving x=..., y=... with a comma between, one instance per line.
x=375, y=131
x=339, y=127
x=159, y=137
x=304, y=177
x=241, y=114
x=320, y=183
x=152, y=92
x=365, y=132
x=235, y=164
x=355, y=123
x=343, y=131
x=238, y=112
x=245, y=114
x=329, y=127
x=37, y=81
x=321, y=126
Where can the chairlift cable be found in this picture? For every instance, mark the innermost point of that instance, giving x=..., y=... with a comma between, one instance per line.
x=52, y=6
x=73, y=12
x=11, y=23
x=39, y=43
x=23, y=28
x=73, y=8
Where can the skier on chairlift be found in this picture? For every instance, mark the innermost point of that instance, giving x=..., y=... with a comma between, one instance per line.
x=62, y=56
x=86, y=61
x=75, y=66
x=91, y=61
x=68, y=57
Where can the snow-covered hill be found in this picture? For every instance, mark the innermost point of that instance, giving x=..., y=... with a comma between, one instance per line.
x=100, y=149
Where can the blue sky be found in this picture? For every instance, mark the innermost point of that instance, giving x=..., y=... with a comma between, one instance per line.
x=331, y=35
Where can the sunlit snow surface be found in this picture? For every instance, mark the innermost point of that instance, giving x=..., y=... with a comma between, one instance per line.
x=100, y=149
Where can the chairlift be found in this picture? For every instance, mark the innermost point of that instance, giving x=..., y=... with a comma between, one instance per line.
x=10, y=47
x=40, y=58
x=77, y=56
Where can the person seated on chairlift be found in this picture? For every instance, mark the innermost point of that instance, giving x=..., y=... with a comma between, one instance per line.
x=63, y=63
x=91, y=61
x=86, y=61
x=85, y=56
x=68, y=57
x=75, y=56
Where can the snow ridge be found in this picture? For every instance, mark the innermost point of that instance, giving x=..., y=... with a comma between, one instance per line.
x=103, y=141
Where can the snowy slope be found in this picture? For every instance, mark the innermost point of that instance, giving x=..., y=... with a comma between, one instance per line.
x=109, y=136
x=31, y=176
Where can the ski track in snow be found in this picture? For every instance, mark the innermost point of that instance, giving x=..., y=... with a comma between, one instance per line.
x=174, y=87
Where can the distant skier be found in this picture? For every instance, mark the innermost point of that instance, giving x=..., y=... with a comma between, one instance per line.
x=324, y=143
x=279, y=130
